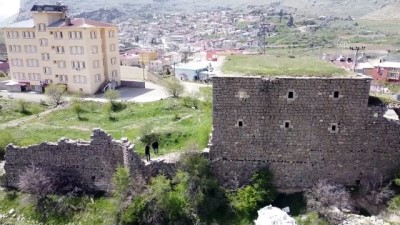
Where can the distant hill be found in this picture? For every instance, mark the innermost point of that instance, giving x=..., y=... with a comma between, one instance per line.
x=389, y=12
x=355, y=8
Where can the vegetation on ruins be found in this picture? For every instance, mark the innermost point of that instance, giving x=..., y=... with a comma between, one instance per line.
x=281, y=65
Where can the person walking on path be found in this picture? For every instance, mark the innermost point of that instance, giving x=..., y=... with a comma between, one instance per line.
x=155, y=147
x=147, y=152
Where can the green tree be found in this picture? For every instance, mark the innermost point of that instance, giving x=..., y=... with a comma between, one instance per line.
x=121, y=181
x=23, y=106
x=174, y=88
x=77, y=108
x=55, y=93
x=246, y=201
x=112, y=95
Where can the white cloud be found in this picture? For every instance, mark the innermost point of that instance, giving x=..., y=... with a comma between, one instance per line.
x=8, y=8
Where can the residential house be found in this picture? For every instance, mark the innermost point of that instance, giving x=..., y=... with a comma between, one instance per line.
x=387, y=71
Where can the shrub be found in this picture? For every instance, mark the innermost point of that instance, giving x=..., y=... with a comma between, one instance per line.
x=77, y=107
x=36, y=181
x=246, y=201
x=121, y=181
x=6, y=137
x=22, y=106
x=112, y=95
x=55, y=93
x=174, y=88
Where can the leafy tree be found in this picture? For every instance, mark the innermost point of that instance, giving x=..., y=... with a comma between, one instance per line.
x=174, y=88
x=112, y=95
x=55, y=93
x=246, y=201
x=22, y=106
x=121, y=181
x=77, y=107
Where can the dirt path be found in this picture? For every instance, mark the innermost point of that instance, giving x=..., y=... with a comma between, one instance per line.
x=168, y=158
x=17, y=122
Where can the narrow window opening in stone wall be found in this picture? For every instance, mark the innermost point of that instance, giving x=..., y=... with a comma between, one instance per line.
x=358, y=182
x=333, y=128
x=287, y=124
x=336, y=94
x=240, y=123
x=290, y=95
x=93, y=178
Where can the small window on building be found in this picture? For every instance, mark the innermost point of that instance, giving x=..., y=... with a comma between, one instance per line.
x=334, y=128
x=290, y=95
x=81, y=89
x=287, y=125
x=335, y=94
x=240, y=124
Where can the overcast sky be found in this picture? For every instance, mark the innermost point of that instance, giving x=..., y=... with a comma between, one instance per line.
x=8, y=8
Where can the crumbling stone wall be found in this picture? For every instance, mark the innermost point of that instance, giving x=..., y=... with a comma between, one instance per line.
x=92, y=162
x=303, y=129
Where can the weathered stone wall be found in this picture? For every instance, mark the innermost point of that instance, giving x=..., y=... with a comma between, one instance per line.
x=303, y=129
x=93, y=162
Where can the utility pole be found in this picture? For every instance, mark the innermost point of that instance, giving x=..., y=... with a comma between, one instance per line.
x=356, y=49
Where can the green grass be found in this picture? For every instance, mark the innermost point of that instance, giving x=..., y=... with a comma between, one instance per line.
x=281, y=65
x=192, y=126
x=9, y=110
x=91, y=211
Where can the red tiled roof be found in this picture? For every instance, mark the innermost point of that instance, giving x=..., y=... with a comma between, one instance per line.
x=81, y=22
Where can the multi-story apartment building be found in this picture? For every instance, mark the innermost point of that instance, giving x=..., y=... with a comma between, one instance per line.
x=52, y=48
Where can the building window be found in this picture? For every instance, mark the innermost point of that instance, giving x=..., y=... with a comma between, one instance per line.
x=287, y=125
x=17, y=62
x=28, y=34
x=112, y=47
x=13, y=34
x=32, y=63
x=62, y=64
x=58, y=35
x=78, y=65
x=76, y=50
x=95, y=49
x=14, y=48
x=111, y=34
x=79, y=79
x=75, y=34
x=30, y=49
x=114, y=74
x=333, y=128
x=93, y=34
x=291, y=96
x=41, y=27
x=45, y=56
x=97, y=78
x=43, y=41
x=63, y=78
x=47, y=70
x=19, y=76
x=60, y=50
x=48, y=81
x=113, y=60
x=335, y=94
x=34, y=76
x=96, y=64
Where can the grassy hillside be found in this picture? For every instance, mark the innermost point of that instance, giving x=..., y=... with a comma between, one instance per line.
x=387, y=13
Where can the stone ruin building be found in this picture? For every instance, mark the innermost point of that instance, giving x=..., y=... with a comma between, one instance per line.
x=303, y=129
x=92, y=162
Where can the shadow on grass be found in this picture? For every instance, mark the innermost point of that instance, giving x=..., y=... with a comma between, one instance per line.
x=118, y=106
x=83, y=119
